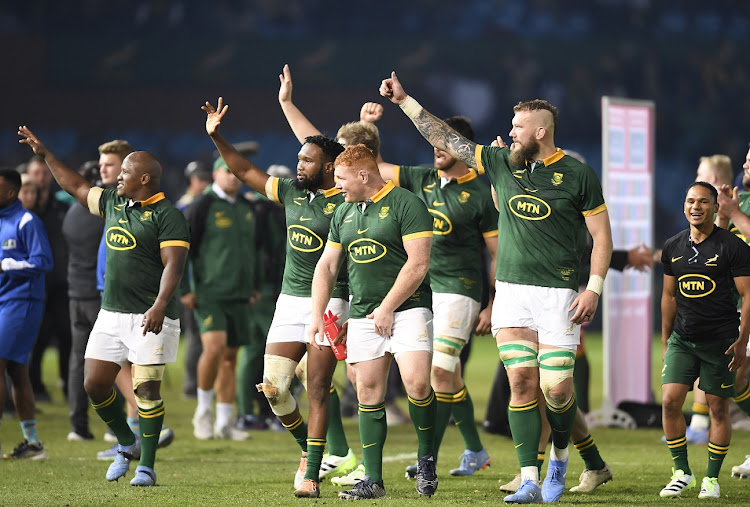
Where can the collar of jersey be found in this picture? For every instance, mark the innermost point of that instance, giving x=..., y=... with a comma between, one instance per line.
x=389, y=185
x=151, y=200
x=553, y=158
x=331, y=191
x=461, y=179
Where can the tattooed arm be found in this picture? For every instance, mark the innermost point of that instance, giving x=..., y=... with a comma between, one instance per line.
x=437, y=133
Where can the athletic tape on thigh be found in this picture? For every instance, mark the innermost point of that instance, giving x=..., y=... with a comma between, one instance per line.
x=554, y=367
x=446, y=352
x=142, y=374
x=278, y=372
x=518, y=354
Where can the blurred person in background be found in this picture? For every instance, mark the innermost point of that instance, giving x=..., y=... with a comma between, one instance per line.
x=26, y=258
x=55, y=327
x=82, y=232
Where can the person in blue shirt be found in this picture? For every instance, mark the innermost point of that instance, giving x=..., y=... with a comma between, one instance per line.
x=25, y=259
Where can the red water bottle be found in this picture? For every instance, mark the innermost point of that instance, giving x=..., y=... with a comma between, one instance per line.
x=331, y=331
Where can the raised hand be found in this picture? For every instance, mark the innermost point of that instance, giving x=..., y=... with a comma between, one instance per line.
x=214, y=116
x=32, y=140
x=285, y=85
x=499, y=143
x=371, y=112
x=391, y=89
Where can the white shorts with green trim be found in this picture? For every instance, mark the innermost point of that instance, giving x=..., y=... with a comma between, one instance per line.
x=118, y=337
x=292, y=318
x=455, y=315
x=541, y=309
x=412, y=332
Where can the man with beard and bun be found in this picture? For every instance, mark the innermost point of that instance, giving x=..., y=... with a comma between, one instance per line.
x=309, y=203
x=548, y=200
x=385, y=233
x=703, y=266
x=147, y=244
x=734, y=207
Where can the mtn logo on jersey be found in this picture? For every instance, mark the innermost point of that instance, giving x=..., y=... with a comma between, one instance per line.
x=529, y=207
x=695, y=285
x=365, y=250
x=330, y=207
x=303, y=239
x=441, y=224
x=119, y=239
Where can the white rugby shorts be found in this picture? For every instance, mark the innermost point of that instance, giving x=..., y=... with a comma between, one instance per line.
x=291, y=318
x=118, y=337
x=541, y=309
x=412, y=331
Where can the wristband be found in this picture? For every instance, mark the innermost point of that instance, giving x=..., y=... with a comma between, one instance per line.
x=596, y=284
x=411, y=107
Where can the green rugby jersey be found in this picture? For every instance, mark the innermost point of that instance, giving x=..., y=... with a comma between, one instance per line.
x=463, y=214
x=745, y=208
x=135, y=233
x=373, y=240
x=307, y=224
x=222, y=257
x=541, y=217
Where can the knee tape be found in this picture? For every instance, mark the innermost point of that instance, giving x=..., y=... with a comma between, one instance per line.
x=301, y=371
x=446, y=352
x=142, y=374
x=518, y=354
x=554, y=367
x=278, y=373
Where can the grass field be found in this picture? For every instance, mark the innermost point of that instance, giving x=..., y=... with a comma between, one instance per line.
x=260, y=471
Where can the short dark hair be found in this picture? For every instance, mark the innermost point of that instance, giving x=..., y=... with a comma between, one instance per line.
x=703, y=184
x=11, y=176
x=462, y=125
x=331, y=147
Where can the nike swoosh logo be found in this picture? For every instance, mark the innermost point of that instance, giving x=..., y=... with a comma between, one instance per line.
x=675, y=259
x=362, y=231
x=726, y=387
x=435, y=203
x=304, y=219
x=109, y=422
x=122, y=221
x=424, y=429
x=517, y=446
x=369, y=445
x=149, y=436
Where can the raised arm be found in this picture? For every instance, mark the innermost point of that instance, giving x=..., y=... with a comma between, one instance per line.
x=245, y=170
x=437, y=133
x=729, y=207
x=69, y=180
x=301, y=126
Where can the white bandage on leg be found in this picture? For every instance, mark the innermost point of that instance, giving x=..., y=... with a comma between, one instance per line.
x=301, y=371
x=142, y=374
x=446, y=352
x=554, y=367
x=518, y=354
x=278, y=373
